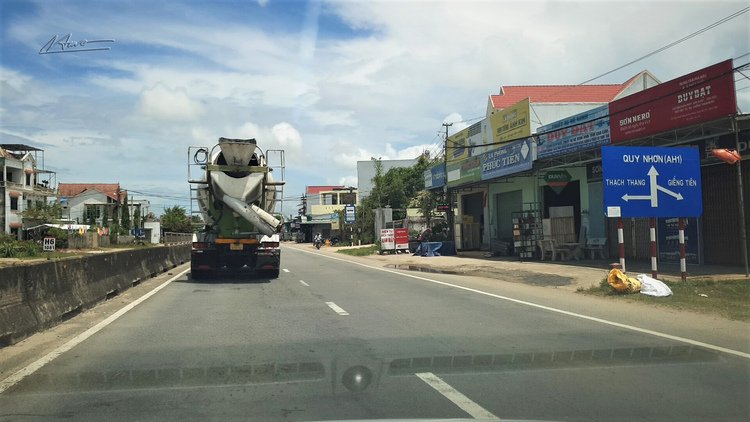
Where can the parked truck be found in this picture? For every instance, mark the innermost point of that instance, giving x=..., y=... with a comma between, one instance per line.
x=232, y=187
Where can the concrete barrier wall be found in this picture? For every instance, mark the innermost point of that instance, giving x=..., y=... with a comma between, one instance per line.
x=39, y=295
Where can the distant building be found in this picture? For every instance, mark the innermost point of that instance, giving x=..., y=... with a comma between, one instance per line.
x=86, y=200
x=320, y=207
x=23, y=183
x=550, y=103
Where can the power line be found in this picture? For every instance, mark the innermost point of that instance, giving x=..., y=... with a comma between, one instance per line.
x=657, y=51
x=456, y=145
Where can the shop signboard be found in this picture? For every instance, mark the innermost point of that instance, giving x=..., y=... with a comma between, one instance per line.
x=443, y=207
x=508, y=159
x=652, y=182
x=557, y=180
x=387, y=239
x=438, y=175
x=401, y=237
x=434, y=177
x=511, y=123
x=456, y=147
x=465, y=171
x=586, y=130
x=694, y=98
x=594, y=171
x=668, y=240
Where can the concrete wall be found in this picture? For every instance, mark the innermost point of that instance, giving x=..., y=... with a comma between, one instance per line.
x=39, y=295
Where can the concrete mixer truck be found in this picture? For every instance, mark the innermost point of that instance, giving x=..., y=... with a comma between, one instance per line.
x=234, y=193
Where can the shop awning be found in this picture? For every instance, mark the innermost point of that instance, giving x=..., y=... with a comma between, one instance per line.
x=14, y=225
x=14, y=193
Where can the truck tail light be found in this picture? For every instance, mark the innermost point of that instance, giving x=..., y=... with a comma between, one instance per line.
x=200, y=245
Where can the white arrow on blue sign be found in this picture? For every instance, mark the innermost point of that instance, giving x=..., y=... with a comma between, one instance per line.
x=652, y=182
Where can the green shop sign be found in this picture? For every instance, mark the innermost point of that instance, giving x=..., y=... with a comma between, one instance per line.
x=557, y=180
x=465, y=171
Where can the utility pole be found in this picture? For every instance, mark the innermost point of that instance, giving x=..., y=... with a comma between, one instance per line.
x=446, y=190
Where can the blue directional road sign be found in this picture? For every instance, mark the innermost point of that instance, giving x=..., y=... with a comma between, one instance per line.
x=652, y=182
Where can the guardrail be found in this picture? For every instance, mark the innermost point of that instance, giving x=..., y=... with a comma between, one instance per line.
x=171, y=238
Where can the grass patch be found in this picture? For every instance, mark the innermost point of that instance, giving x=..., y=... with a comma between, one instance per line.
x=369, y=250
x=728, y=298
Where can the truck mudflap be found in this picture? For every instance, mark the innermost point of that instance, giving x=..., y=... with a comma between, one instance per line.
x=268, y=262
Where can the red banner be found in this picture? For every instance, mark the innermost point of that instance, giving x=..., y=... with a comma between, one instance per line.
x=402, y=239
x=697, y=97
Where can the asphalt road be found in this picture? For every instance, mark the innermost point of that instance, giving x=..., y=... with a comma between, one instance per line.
x=333, y=340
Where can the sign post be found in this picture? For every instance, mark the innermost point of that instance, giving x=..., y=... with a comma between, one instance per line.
x=651, y=182
x=49, y=245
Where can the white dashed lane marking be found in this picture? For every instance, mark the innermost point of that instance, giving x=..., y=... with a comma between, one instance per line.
x=337, y=308
x=466, y=404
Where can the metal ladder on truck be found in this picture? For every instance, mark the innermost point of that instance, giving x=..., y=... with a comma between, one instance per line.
x=275, y=161
x=198, y=158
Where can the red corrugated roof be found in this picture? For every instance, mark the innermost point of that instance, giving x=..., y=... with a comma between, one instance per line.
x=557, y=94
x=318, y=189
x=68, y=190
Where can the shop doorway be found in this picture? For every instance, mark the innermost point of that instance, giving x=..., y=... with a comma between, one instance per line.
x=569, y=196
x=473, y=205
x=505, y=204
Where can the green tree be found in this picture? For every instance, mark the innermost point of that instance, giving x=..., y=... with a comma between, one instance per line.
x=43, y=212
x=105, y=217
x=426, y=202
x=174, y=220
x=125, y=218
x=137, y=218
x=91, y=215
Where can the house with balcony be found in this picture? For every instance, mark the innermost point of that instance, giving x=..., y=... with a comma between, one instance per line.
x=23, y=183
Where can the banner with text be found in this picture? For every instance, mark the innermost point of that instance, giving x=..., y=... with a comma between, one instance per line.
x=457, y=146
x=586, y=130
x=465, y=171
x=434, y=177
x=694, y=98
x=508, y=159
x=511, y=123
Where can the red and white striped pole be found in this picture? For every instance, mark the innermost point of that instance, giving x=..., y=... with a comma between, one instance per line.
x=621, y=239
x=683, y=268
x=652, y=232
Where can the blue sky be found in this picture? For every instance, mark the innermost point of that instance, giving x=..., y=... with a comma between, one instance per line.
x=330, y=82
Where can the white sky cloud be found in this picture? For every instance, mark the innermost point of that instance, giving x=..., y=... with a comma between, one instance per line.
x=162, y=103
x=339, y=82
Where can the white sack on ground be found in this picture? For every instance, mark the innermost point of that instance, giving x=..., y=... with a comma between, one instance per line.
x=653, y=287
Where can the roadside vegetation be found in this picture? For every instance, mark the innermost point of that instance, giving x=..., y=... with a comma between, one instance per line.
x=363, y=251
x=728, y=298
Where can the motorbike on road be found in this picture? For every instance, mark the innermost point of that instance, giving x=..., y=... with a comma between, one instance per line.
x=318, y=241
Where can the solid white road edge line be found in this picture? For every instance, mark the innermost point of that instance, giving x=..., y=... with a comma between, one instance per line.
x=35, y=366
x=466, y=404
x=337, y=308
x=548, y=308
x=304, y=284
